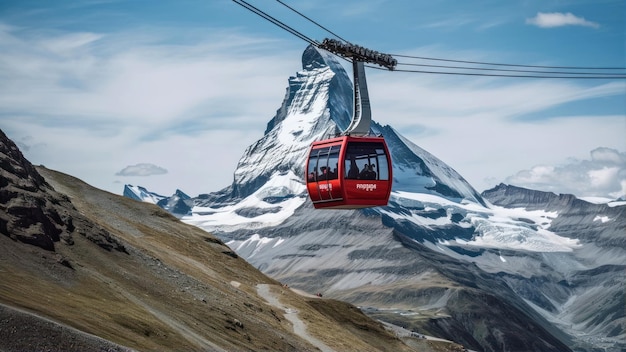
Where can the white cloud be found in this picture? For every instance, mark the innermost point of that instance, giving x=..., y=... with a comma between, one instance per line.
x=608, y=155
x=602, y=175
x=557, y=19
x=603, y=178
x=139, y=78
x=538, y=174
x=68, y=44
x=143, y=169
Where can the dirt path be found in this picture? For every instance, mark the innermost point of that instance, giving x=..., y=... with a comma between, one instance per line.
x=299, y=327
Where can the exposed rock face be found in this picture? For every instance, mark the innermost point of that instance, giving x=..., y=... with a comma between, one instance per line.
x=30, y=206
x=178, y=204
x=31, y=211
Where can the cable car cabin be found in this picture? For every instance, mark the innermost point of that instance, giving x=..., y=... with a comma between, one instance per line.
x=349, y=173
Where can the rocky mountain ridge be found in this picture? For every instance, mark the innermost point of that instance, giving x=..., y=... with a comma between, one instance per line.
x=34, y=213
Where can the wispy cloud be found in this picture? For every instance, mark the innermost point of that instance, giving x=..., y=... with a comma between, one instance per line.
x=451, y=23
x=143, y=169
x=87, y=78
x=558, y=19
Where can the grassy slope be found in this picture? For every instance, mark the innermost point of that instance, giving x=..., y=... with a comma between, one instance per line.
x=176, y=288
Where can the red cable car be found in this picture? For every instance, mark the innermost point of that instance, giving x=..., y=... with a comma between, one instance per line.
x=352, y=171
x=349, y=173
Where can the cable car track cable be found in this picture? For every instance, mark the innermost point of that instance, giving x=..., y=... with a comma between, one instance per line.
x=511, y=70
x=545, y=74
x=278, y=23
x=502, y=75
x=464, y=61
x=515, y=65
x=312, y=21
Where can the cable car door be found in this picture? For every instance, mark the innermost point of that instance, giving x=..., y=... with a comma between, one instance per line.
x=323, y=182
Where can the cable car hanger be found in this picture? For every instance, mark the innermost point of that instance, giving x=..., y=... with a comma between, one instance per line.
x=362, y=112
x=354, y=170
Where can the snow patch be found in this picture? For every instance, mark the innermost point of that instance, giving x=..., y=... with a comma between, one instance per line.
x=602, y=219
x=496, y=227
x=286, y=186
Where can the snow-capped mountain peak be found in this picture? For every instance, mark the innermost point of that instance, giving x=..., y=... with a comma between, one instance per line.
x=178, y=204
x=142, y=194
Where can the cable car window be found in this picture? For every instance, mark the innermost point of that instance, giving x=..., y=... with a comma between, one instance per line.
x=323, y=164
x=333, y=162
x=366, y=161
x=382, y=162
x=312, y=171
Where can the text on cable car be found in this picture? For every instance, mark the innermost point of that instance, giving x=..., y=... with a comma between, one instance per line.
x=366, y=186
x=325, y=186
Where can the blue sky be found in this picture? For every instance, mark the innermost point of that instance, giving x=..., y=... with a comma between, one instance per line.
x=168, y=94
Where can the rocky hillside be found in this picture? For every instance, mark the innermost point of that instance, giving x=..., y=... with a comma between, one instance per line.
x=83, y=269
